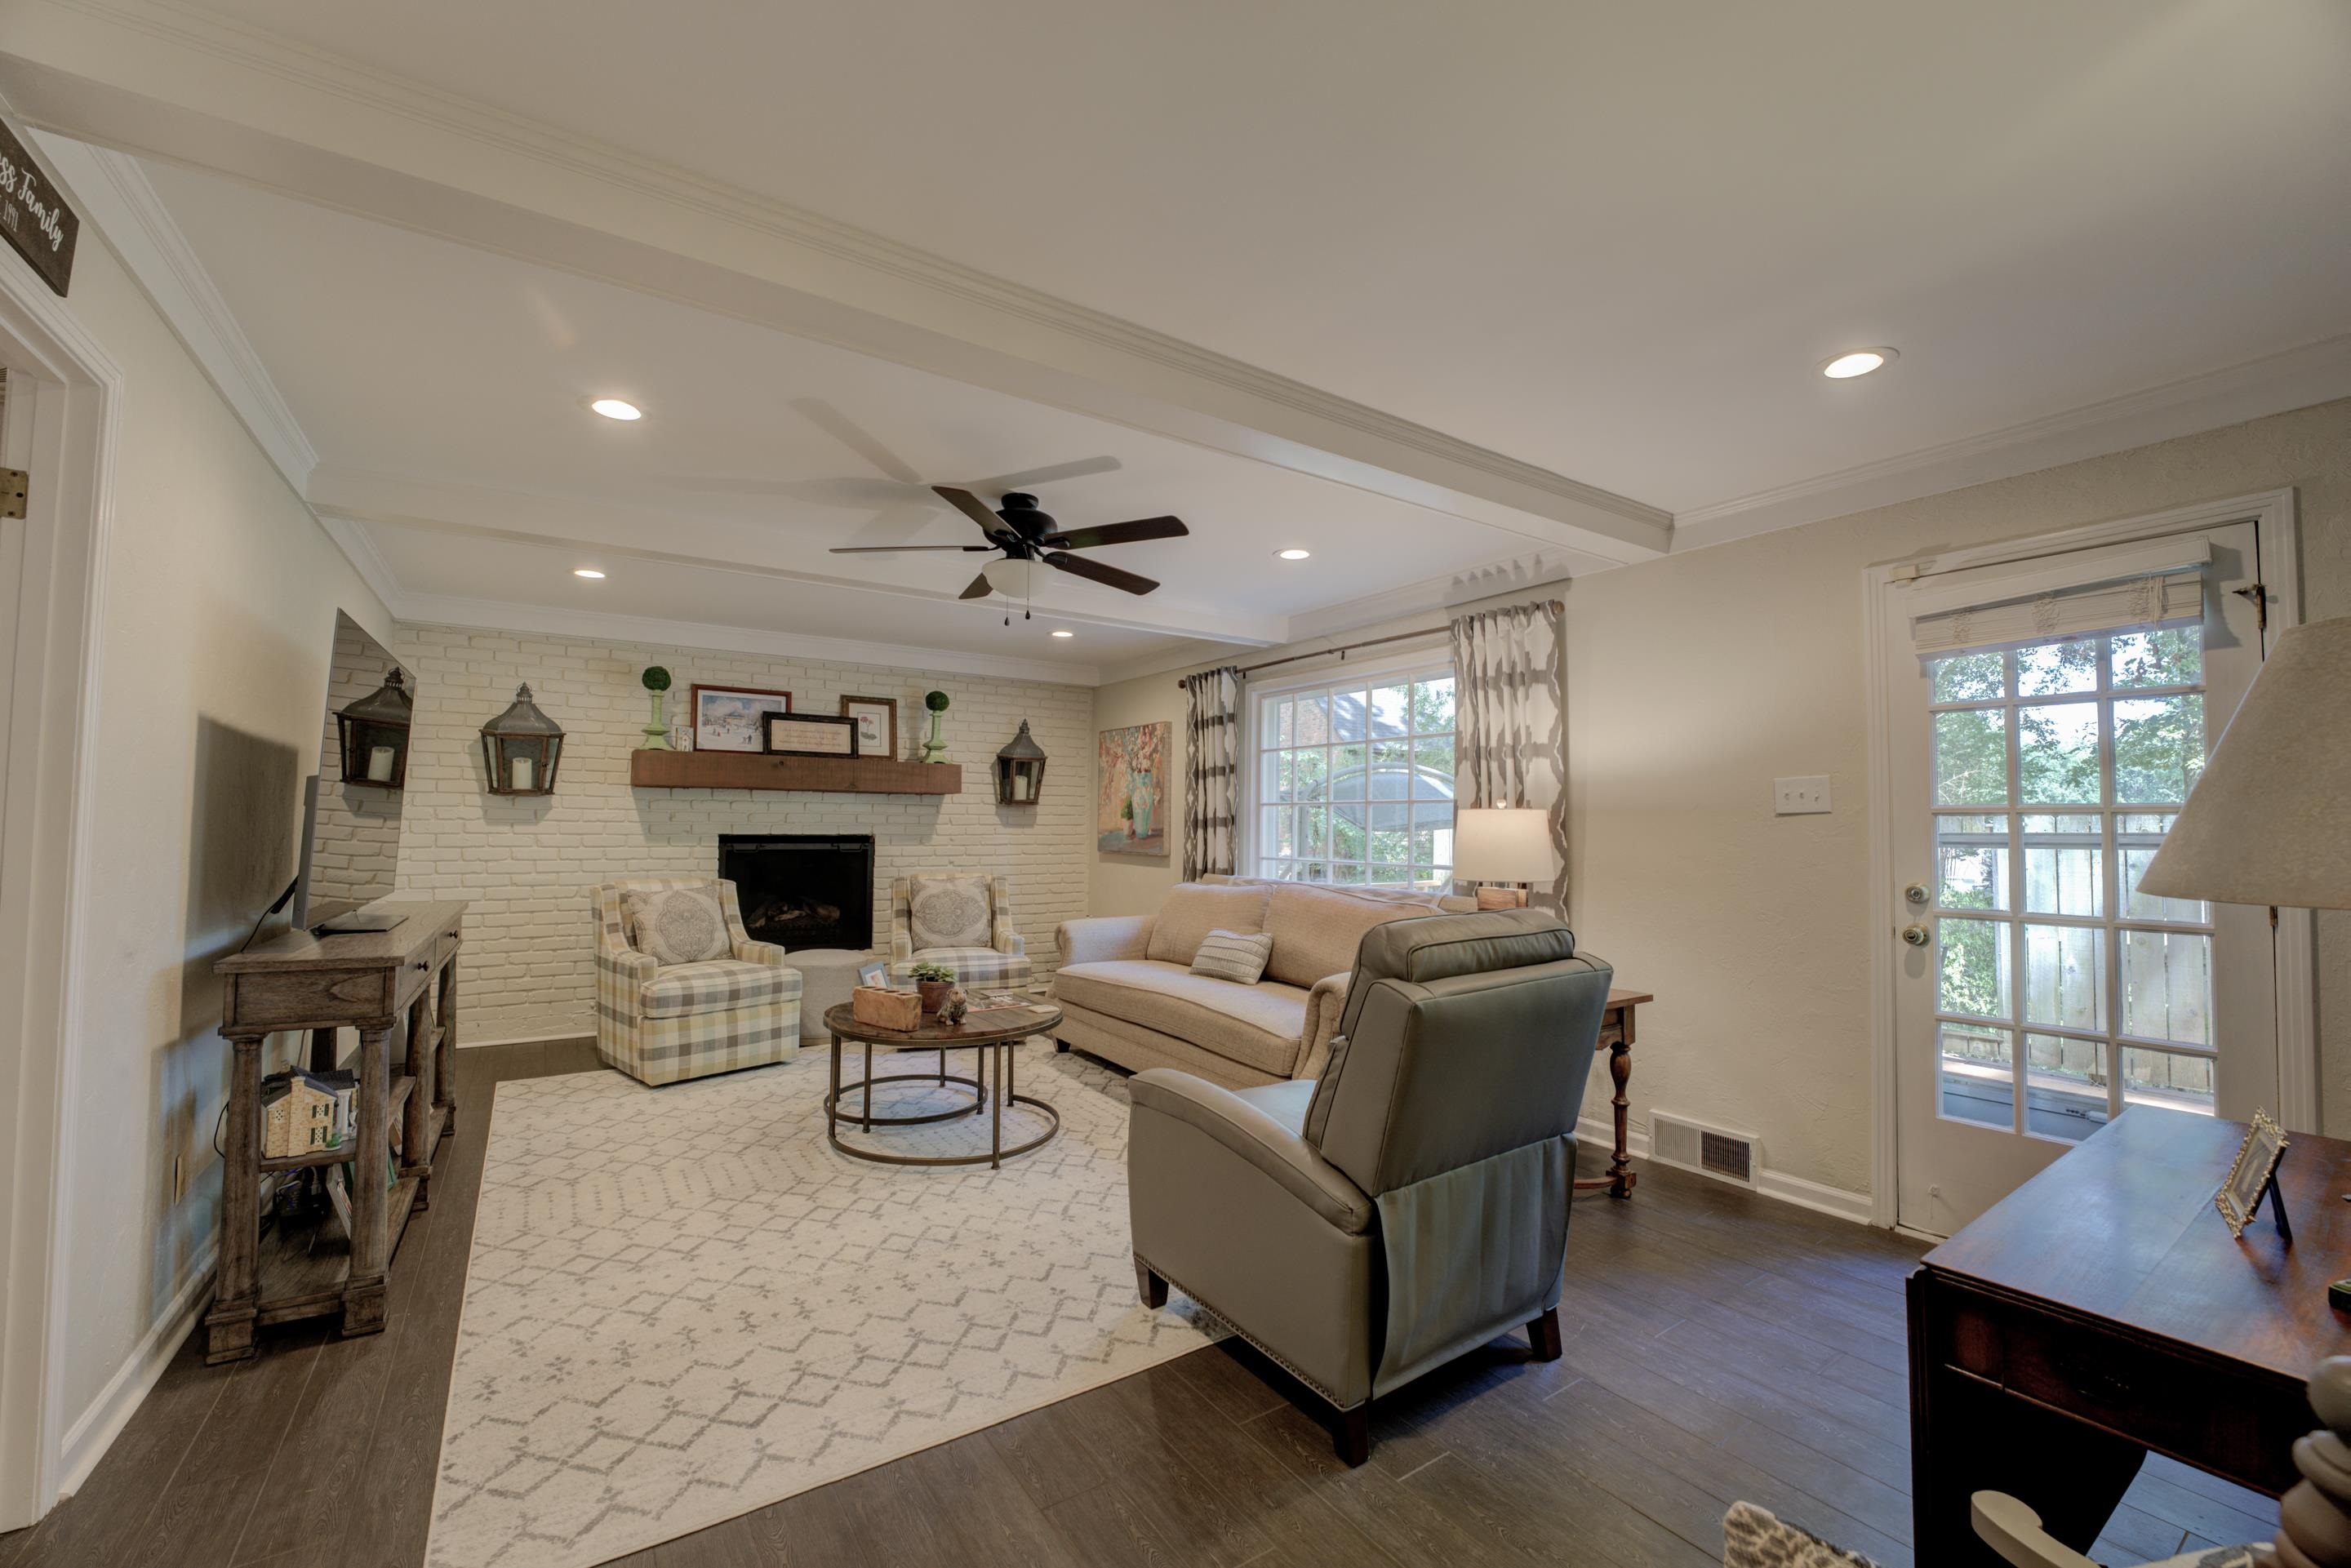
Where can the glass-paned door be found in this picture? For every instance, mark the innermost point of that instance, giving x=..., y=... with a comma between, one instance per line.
x=2041, y=994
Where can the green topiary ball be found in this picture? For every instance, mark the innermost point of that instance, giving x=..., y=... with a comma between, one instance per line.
x=656, y=679
x=935, y=701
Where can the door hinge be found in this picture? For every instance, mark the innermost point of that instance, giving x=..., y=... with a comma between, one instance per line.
x=12, y=485
x=2258, y=594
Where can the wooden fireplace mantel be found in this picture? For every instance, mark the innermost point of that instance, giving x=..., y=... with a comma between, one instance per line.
x=759, y=771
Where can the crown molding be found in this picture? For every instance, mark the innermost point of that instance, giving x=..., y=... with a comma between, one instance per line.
x=163, y=78
x=114, y=196
x=1520, y=574
x=2295, y=377
x=351, y=538
x=548, y=620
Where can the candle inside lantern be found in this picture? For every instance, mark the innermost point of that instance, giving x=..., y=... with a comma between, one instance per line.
x=520, y=773
x=380, y=765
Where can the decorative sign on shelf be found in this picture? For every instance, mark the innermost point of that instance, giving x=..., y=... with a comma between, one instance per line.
x=809, y=735
x=34, y=215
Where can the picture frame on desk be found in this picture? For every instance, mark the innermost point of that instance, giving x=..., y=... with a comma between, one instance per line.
x=2250, y=1175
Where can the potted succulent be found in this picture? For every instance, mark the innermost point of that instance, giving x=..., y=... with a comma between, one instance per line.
x=934, y=981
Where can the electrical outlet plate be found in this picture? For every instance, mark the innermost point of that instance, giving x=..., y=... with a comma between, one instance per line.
x=1800, y=797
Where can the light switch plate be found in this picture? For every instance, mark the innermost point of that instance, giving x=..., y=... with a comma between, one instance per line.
x=1800, y=797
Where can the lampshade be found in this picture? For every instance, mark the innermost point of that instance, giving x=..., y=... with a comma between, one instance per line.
x=1494, y=843
x=1013, y=579
x=2270, y=822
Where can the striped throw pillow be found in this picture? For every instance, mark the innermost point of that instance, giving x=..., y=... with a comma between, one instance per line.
x=1229, y=956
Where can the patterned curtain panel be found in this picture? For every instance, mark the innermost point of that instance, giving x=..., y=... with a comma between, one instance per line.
x=1510, y=715
x=1212, y=765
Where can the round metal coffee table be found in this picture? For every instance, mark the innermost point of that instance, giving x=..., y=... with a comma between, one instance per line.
x=994, y=1031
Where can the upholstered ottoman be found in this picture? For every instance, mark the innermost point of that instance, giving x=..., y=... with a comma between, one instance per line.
x=827, y=977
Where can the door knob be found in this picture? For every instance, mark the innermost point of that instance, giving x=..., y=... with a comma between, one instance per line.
x=1916, y=936
x=1916, y=893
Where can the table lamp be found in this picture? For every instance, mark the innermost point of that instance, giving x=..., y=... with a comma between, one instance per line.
x=1505, y=844
x=2270, y=821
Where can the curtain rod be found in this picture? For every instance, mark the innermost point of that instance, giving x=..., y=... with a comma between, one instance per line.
x=1346, y=648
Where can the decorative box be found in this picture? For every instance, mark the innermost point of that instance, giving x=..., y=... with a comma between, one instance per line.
x=886, y=1009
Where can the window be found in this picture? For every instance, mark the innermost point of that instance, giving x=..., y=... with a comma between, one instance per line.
x=1353, y=782
x=2057, y=769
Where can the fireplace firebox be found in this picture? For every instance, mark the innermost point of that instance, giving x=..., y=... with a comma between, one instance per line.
x=803, y=890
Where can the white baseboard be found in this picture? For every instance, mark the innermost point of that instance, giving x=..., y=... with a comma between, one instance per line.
x=1795, y=1189
x=528, y=1038
x=94, y=1431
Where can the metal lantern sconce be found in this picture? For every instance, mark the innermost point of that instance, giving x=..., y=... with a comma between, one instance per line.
x=522, y=747
x=375, y=735
x=1020, y=770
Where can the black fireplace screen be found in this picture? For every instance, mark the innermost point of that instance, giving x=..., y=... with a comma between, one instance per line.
x=803, y=890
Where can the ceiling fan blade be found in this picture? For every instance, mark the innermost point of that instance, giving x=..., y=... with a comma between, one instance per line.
x=978, y=589
x=1029, y=478
x=1079, y=566
x=1135, y=532
x=900, y=549
x=848, y=432
x=971, y=506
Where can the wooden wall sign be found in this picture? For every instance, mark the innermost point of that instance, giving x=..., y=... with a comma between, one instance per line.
x=34, y=215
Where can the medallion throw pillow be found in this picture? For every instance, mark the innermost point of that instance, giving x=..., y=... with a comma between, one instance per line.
x=949, y=912
x=678, y=925
x=1229, y=956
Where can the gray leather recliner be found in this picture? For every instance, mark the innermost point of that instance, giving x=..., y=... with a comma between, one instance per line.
x=1410, y=1205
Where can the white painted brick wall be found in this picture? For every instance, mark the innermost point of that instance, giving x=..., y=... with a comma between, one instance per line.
x=527, y=864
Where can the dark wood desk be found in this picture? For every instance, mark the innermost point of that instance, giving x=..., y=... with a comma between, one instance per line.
x=2102, y=1310
x=1616, y=1039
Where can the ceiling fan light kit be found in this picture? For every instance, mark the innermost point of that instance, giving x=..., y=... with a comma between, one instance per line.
x=1032, y=540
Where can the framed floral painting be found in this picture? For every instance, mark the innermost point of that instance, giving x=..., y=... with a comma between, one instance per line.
x=1131, y=776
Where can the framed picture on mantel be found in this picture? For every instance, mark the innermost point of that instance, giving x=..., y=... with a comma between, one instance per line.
x=809, y=735
x=726, y=719
x=877, y=724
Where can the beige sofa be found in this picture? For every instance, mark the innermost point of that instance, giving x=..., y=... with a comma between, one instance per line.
x=1128, y=995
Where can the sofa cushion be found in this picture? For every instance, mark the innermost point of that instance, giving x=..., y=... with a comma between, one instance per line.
x=1316, y=930
x=679, y=925
x=683, y=990
x=1191, y=910
x=949, y=912
x=1258, y=1026
x=1229, y=956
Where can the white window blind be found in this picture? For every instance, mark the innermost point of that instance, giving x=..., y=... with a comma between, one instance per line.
x=2018, y=602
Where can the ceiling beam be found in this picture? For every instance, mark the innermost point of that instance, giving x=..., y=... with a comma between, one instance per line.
x=565, y=524
x=167, y=82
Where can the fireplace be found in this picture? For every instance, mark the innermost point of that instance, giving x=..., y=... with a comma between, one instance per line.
x=803, y=890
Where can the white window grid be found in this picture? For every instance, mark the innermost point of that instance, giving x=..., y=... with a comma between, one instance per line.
x=1306, y=823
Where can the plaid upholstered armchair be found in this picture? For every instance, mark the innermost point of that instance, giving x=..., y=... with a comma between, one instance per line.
x=733, y=1003
x=963, y=922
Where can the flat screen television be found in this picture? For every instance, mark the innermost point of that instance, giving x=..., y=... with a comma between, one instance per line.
x=351, y=827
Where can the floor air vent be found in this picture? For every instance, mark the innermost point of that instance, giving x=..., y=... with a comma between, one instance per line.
x=1718, y=1152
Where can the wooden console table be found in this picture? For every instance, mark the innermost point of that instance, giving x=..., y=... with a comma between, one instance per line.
x=374, y=982
x=2103, y=1310
x=1616, y=1035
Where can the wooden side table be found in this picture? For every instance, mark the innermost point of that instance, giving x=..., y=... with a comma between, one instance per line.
x=1616, y=1034
x=376, y=982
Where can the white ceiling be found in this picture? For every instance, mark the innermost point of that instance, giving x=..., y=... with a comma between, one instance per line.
x=1595, y=250
x=1610, y=240
x=442, y=382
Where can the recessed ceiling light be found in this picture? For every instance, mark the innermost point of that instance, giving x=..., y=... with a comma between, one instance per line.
x=617, y=408
x=1294, y=554
x=1064, y=631
x=1859, y=362
x=585, y=571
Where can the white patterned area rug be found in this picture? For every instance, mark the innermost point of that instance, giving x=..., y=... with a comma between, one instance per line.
x=683, y=1304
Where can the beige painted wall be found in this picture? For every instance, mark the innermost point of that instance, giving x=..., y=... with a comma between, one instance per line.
x=220, y=595
x=1697, y=679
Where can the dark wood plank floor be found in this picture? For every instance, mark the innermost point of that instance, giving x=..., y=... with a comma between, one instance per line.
x=1719, y=1346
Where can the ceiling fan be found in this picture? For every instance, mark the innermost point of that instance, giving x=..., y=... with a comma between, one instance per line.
x=1032, y=540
